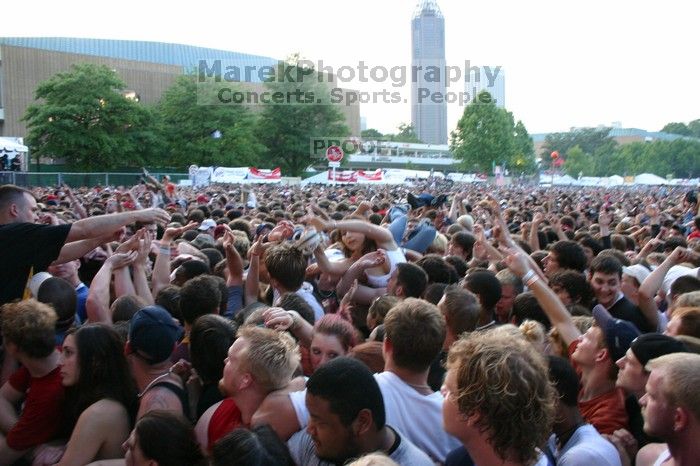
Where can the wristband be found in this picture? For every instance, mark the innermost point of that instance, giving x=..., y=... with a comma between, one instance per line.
x=528, y=276
x=164, y=250
x=532, y=281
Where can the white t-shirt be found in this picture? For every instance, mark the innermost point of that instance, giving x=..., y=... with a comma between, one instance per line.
x=303, y=451
x=586, y=447
x=306, y=292
x=416, y=417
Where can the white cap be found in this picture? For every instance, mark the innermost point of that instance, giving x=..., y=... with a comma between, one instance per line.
x=207, y=224
x=36, y=282
x=638, y=271
x=673, y=273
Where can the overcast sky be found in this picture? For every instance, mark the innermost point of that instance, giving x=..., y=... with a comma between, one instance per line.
x=567, y=63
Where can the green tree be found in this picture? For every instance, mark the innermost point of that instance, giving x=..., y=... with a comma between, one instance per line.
x=523, y=160
x=371, y=134
x=576, y=162
x=83, y=117
x=677, y=128
x=487, y=135
x=407, y=133
x=288, y=129
x=207, y=135
x=590, y=140
x=694, y=127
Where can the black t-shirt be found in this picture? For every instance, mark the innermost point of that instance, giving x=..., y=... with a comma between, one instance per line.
x=624, y=309
x=25, y=248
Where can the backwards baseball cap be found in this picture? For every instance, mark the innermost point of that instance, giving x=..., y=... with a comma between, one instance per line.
x=618, y=333
x=153, y=334
x=637, y=271
x=652, y=345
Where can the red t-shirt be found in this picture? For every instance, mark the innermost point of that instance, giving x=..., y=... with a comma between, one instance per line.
x=225, y=419
x=605, y=412
x=42, y=415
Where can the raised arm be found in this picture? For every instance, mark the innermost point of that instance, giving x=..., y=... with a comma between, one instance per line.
x=140, y=267
x=558, y=316
x=652, y=283
x=161, y=269
x=279, y=319
x=97, y=303
x=534, y=240
x=102, y=225
x=332, y=268
x=357, y=269
x=381, y=236
x=75, y=203
x=234, y=263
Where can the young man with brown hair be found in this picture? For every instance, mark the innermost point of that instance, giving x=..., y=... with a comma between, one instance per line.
x=498, y=400
x=28, y=329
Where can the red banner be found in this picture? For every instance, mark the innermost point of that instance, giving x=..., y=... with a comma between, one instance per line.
x=264, y=174
x=345, y=176
x=376, y=175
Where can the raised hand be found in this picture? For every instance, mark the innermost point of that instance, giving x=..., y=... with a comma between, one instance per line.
x=131, y=244
x=277, y=318
x=119, y=260
x=373, y=259
x=175, y=232
x=153, y=215
x=517, y=263
x=283, y=230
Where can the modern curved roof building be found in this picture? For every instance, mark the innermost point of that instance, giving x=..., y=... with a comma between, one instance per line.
x=148, y=68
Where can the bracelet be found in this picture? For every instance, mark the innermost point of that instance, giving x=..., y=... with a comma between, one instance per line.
x=532, y=281
x=335, y=225
x=294, y=324
x=530, y=273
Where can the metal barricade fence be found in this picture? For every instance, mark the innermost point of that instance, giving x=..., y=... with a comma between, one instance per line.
x=72, y=179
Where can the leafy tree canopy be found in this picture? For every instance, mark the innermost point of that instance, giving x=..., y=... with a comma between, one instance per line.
x=487, y=135
x=206, y=132
x=83, y=117
x=288, y=129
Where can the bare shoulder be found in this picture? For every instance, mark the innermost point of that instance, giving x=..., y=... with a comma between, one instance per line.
x=160, y=398
x=106, y=407
x=648, y=454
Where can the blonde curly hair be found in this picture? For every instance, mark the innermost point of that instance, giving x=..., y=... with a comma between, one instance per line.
x=31, y=326
x=505, y=383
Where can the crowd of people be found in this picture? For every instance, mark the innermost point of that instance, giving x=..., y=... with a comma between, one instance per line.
x=437, y=323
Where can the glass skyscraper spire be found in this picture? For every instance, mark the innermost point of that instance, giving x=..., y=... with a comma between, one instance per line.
x=428, y=108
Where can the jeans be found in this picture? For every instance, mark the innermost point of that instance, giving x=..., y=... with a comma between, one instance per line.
x=419, y=239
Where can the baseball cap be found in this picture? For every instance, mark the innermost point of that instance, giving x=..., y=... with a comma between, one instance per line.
x=637, y=271
x=674, y=273
x=207, y=224
x=652, y=345
x=618, y=333
x=153, y=334
x=203, y=240
x=37, y=280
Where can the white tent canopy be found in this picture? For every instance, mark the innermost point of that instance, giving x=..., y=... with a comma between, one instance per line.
x=649, y=179
x=10, y=145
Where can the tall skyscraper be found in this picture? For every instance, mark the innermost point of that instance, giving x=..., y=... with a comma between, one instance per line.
x=487, y=78
x=428, y=106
